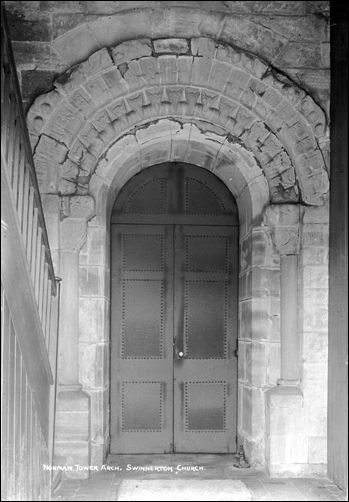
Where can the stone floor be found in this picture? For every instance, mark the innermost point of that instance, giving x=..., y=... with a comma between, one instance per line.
x=170, y=475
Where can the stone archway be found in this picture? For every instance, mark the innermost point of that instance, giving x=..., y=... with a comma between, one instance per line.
x=199, y=101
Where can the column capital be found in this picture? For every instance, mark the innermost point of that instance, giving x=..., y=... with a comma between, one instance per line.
x=78, y=206
x=77, y=210
x=284, y=223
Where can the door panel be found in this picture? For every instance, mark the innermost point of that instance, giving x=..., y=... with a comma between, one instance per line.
x=205, y=368
x=174, y=290
x=142, y=339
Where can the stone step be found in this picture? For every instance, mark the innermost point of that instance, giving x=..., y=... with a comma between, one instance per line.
x=181, y=489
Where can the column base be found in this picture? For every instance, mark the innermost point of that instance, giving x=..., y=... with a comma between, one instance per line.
x=72, y=434
x=287, y=438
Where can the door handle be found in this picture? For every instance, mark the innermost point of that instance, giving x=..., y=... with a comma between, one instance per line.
x=180, y=354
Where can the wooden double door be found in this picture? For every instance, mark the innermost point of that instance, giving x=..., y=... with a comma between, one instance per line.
x=174, y=336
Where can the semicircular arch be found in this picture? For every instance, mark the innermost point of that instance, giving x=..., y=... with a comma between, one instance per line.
x=234, y=93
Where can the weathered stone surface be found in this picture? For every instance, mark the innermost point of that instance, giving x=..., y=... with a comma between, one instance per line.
x=94, y=251
x=203, y=103
x=73, y=234
x=93, y=312
x=297, y=55
x=77, y=452
x=284, y=223
x=171, y=46
x=39, y=56
x=33, y=26
x=296, y=28
x=34, y=82
x=274, y=363
x=134, y=49
x=94, y=365
x=315, y=277
x=76, y=45
x=254, y=319
x=91, y=281
x=318, y=449
x=73, y=414
x=287, y=426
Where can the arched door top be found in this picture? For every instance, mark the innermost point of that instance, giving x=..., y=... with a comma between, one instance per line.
x=175, y=193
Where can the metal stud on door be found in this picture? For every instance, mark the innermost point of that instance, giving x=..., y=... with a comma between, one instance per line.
x=205, y=369
x=174, y=256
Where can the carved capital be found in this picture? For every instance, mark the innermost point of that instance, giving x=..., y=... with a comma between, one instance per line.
x=78, y=206
x=283, y=221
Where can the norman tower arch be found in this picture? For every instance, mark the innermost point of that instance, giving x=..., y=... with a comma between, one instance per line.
x=205, y=102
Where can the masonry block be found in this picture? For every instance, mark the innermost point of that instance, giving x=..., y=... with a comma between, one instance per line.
x=254, y=451
x=30, y=27
x=171, y=46
x=315, y=235
x=133, y=49
x=253, y=412
x=259, y=363
x=315, y=276
x=93, y=364
x=35, y=82
x=305, y=55
x=274, y=364
x=287, y=431
x=318, y=450
x=93, y=316
x=316, y=416
x=75, y=453
x=92, y=281
x=73, y=430
x=265, y=282
x=99, y=414
x=94, y=251
x=316, y=214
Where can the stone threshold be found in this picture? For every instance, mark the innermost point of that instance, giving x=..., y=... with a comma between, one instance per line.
x=181, y=489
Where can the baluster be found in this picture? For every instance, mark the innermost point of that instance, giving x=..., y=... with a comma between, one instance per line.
x=12, y=140
x=25, y=210
x=44, y=309
x=17, y=410
x=41, y=283
x=11, y=409
x=49, y=314
x=29, y=444
x=33, y=246
x=37, y=264
x=23, y=402
x=30, y=224
x=5, y=104
x=6, y=390
x=21, y=167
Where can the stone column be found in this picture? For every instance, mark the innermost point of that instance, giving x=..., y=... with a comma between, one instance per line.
x=73, y=236
x=288, y=320
x=284, y=225
x=287, y=447
x=73, y=405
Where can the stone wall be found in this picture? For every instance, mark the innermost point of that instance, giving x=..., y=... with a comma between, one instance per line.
x=314, y=330
x=48, y=36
